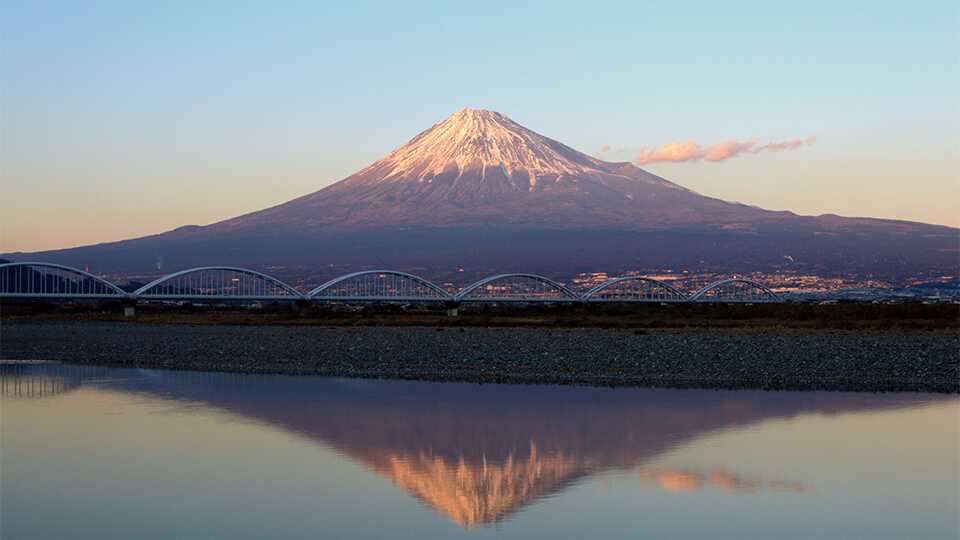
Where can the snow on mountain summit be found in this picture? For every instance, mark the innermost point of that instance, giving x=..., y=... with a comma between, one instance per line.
x=481, y=140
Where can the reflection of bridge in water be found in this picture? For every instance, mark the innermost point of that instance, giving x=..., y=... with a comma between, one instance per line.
x=479, y=453
x=29, y=379
x=37, y=280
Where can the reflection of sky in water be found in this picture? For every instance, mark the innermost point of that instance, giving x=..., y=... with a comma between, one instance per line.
x=101, y=452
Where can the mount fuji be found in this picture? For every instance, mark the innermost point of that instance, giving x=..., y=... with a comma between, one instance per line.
x=479, y=192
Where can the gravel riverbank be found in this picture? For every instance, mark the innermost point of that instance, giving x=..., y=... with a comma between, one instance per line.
x=765, y=359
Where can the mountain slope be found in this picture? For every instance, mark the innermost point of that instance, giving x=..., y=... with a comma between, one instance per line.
x=481, y=192
x=479, y=168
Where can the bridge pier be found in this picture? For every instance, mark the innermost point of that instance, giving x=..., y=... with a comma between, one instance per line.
x=130, y=307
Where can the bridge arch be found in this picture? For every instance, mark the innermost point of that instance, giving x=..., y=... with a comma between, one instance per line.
x=217, y=283
x=49, y=280
x=384, y=285
x=640, y=289
x=735, y=290
x=517, y=288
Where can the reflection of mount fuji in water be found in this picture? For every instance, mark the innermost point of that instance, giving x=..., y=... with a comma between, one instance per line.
x=477, y=453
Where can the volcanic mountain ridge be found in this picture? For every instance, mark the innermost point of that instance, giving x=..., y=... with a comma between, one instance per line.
x=480, y=192
x=479, y=168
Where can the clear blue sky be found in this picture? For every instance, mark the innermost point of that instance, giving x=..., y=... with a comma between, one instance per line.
x=127, y=118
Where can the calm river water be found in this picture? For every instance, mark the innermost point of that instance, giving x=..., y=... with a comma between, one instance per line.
x=89, y=452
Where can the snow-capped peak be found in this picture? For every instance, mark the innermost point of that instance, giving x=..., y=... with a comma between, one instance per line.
x=476, y=139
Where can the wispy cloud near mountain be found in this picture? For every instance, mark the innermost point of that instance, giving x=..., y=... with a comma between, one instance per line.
x=680, y=152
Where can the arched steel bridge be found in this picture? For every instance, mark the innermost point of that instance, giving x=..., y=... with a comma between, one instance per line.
x=40, y=280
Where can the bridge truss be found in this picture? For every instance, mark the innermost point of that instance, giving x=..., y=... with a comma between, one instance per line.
x=380, y=285
x=734, y=291
x=219, y=283
x=634, y=289
x=41, y=280
x=48, y=280
x=517, y=288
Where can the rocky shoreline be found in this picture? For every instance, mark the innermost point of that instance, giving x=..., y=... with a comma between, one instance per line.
x=768, y=359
